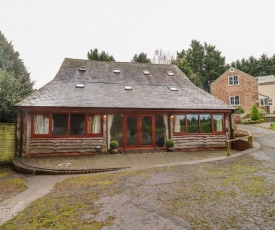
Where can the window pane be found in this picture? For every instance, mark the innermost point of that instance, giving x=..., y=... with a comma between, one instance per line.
x=131, y=131
x=60, y=124
x=232, y=102
x=236, y=82
x=94, y=124
x=115, y=127
x=41, y=124
x=205, y=123
x=237, y=100
x=230, y=80
x=179, y=123
x=77, y=124
x=218, y=123
x=146, y=130
x=161, y=127
x=193, y=123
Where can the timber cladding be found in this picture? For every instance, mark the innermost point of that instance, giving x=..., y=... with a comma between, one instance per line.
x=7, y=142
x=200, y=142
x=65, y=145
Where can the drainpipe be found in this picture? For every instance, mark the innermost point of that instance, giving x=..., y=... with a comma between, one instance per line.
x=21, y=133
x=230, y=123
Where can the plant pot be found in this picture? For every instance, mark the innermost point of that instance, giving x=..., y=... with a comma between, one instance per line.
x=113, y=151
x=170, y=149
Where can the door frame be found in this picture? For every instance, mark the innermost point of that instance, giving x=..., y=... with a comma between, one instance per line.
x=139, y=131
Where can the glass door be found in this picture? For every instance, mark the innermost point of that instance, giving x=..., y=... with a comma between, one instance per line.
x=138, y=131
x=131, y=131
x=146, y=131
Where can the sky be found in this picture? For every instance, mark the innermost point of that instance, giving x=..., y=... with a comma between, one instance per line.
x=46, y=32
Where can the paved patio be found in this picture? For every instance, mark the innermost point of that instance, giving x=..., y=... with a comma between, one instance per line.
x=110, y=162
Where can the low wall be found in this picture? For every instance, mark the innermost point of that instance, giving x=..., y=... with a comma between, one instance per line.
x=50, y=146
x=200, y=141
x=7, y=142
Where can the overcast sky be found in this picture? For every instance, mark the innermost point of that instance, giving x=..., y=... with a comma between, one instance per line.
x=46, y=32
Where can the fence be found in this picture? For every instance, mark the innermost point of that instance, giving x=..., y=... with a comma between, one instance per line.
x=7, y=142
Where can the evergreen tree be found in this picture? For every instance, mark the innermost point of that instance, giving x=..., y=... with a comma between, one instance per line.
x=103, y=56
x=202, y=63
x=255, y=113
x=15, y=83
x=141, y=58
x=256, y=67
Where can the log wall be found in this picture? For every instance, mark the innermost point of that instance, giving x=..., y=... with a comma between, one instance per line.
x=200, y=141
x=65, y=145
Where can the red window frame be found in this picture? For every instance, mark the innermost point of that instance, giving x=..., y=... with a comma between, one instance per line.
x=199, y=126
x=50, y=134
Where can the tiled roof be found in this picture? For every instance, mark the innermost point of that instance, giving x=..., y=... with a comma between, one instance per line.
x=105, y=89
x=269, y=79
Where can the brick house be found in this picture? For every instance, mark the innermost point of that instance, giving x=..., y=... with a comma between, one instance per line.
x=90, y=103
x=236, y=88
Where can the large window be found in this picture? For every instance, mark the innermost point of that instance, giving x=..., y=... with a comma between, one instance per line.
x=218, y=123
x=41, y=124
x=205, y=123
x=234, y=100
x=233, y=80
x=193, y=123
x=198, y=123
x=64, y=124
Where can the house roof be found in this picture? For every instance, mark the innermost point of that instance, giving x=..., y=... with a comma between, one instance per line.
x=105, y=89
x=264, y=80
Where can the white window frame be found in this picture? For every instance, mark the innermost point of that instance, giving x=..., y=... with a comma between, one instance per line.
x=233, y=80
x=264, y=101
x=270, y=101
x=234, y=100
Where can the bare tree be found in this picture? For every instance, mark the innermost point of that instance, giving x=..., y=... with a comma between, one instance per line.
x=162, y=57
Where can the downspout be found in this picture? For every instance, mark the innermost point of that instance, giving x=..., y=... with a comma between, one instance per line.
x=21, y=133
x=230, y=123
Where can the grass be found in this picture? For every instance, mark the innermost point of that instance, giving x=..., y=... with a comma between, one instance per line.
x=217, y=195
x=273, y=126
x=10, y=186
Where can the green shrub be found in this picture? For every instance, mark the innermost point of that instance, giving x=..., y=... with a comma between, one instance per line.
x=114, y=144
x=239, y=109
x=262, y=112
x=255, y=113
x=273, y=126
x=170, y=143
x=246, y=121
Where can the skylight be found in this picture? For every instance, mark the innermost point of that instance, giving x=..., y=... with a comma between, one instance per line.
x=82, y=68
x=128, y=87
x=170, y=73
x=80, y=85
x=146, y=72
x=172, y=88
x=116, y=70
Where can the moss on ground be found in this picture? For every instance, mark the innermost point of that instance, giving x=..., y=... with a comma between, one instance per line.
x=217, y=195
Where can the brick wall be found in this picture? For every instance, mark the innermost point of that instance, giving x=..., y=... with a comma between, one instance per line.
x=247, y=88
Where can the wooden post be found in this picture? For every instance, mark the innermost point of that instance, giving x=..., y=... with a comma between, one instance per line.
x=228, y=148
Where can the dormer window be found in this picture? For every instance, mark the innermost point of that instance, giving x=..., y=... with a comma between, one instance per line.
x=146, y=72
x=116, y=70
x=233, y=80
x=170, y=73
x=80, y=85
x=128, y=87
x=82, y=68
